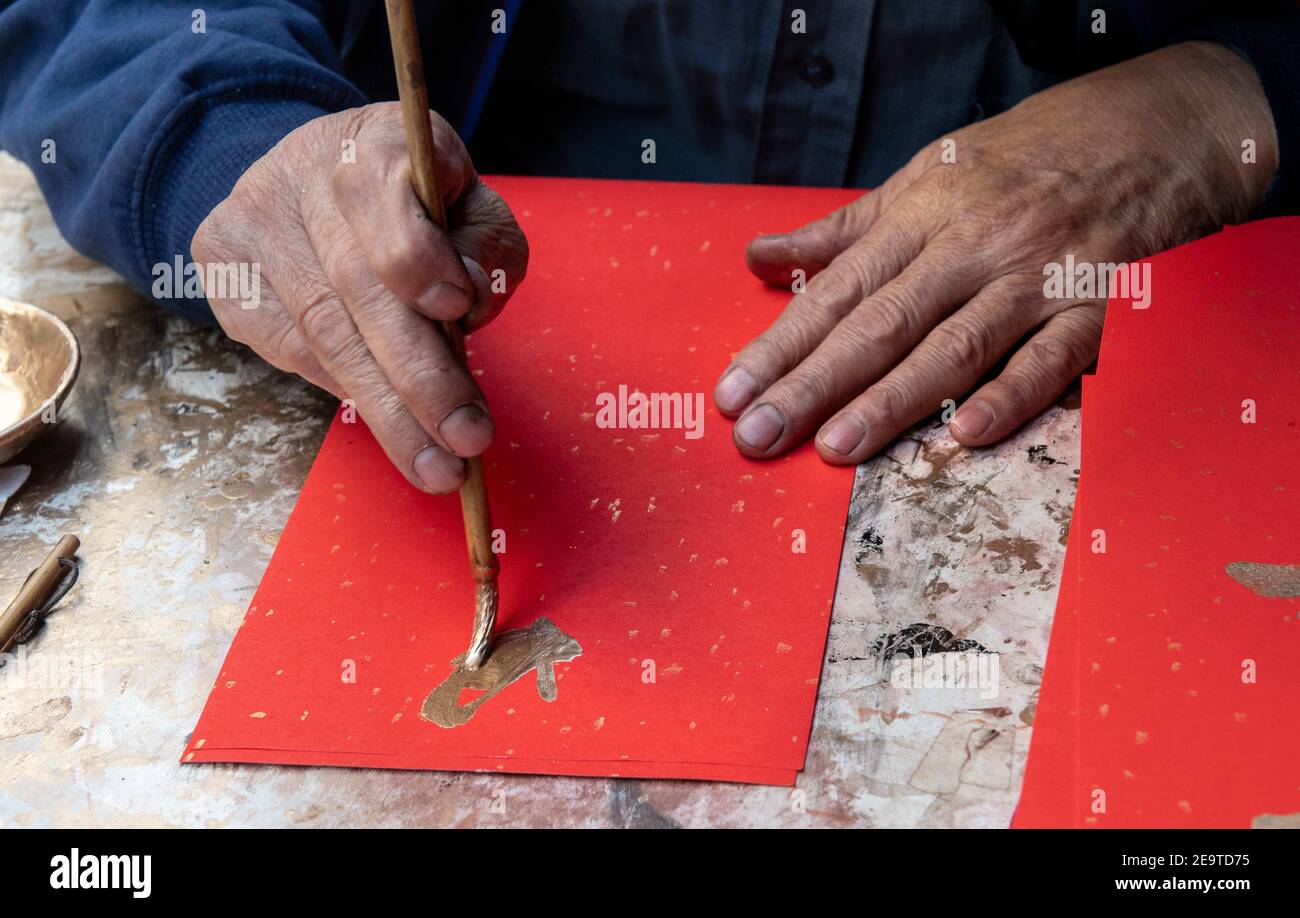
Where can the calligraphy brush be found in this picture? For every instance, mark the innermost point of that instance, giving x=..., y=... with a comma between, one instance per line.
x=424, y=176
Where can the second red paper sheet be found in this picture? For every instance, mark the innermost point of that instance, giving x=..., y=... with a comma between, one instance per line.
x=697, y=584
x=1169, y=696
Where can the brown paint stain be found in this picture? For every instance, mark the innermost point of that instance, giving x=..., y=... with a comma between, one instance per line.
x=1274, y=581
x=539, y=646
x=874, y=574
x=1023, y=549
x=938, y=461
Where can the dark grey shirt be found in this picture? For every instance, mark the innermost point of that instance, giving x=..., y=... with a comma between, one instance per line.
x=744, y=91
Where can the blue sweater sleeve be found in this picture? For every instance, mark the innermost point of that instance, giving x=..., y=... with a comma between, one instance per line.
x=137, y=122
x=1273, y=48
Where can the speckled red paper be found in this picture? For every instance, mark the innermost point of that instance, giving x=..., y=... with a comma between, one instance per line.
x=661, y=554
x=1145, y=718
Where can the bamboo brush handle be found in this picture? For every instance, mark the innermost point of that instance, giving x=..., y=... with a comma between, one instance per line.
x=37, y=589
x=424, y=177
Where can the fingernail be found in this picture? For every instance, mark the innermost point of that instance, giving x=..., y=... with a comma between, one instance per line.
x=973, y=418
x=759, y=428
x=844, y=433
x=467, y=430
x=735, y=390
x=444, y=301
x=440, y=472
x=478, y=277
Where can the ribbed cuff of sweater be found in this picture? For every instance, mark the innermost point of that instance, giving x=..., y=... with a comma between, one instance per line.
x=200, y=154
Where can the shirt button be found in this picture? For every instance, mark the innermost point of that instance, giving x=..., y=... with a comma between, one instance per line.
x=816, y=70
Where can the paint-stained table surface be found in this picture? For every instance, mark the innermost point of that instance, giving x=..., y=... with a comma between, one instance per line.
x=178, y=460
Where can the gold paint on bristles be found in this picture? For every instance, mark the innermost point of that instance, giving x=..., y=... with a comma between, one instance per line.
x=485, y=617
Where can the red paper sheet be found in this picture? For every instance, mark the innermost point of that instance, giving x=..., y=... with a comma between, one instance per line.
x=646, y=546
x=1143, y=698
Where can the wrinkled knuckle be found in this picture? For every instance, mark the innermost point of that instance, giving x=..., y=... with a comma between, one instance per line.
x=890, y=404
x=423, y=380
x=388, y=410
x=401, y=264
x=985, y=222
x=321, y=326
x=1020, y=391
x=892, y=324
x=770, y=352
x=938, y=186
x=818, y=303
x=836, y=284
x=962, y=344
x=839, y=222
x=1053, y=355
x=804, y=388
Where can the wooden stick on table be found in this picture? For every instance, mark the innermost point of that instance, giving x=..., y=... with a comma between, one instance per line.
x=424, y=176
x=37, y=590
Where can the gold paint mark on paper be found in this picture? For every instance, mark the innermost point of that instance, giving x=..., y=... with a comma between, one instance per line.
x=539, y=646
x=1269, y=580
x=1276, y=821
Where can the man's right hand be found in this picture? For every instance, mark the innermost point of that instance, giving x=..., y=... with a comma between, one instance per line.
x=359, y=278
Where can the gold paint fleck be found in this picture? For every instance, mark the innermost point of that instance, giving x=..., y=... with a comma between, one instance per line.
x=783, y=647
x=258, y=714
x=600, y=722
x=1140, y=737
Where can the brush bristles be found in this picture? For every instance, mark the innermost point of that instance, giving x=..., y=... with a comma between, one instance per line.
x=485, y=618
